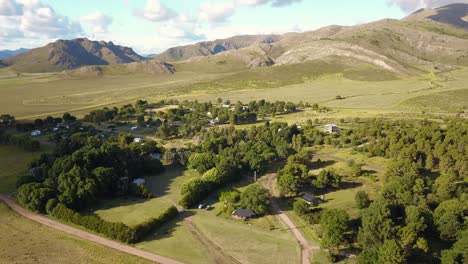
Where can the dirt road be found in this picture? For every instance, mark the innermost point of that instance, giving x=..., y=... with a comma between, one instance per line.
x=305, y=246
x=85, y=235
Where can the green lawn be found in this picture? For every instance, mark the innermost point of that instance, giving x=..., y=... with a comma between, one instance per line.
x=27, y=242
x=13, y=162
x=251, y=242
x=133, y=211
x=176, y=241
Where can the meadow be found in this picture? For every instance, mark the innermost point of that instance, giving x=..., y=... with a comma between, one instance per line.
x=37, y=95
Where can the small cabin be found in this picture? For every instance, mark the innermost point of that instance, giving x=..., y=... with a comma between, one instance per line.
x=138, y=140
x=310, y=199
x=133, y=129
x=243, y=214
x=332, y=128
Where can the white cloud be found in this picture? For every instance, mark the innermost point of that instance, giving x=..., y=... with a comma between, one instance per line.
x=221, y=11
x=98, y=21
x=41, y=20
x=182, y=29
x=35, y=19
x=155, y=11
x=217, y=12
x=410, y=6
x=10, y=8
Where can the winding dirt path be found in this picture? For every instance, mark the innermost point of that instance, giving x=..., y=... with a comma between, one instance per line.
x=305, y=246
x=85, y=235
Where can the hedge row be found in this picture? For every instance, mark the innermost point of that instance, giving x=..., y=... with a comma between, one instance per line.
x=117, y=231
x=155, y=223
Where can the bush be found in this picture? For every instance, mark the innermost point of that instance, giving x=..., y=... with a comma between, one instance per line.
x=301, y=208
x=362, y=199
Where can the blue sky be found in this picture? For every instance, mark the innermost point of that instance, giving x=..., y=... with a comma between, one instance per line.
x=151, y=26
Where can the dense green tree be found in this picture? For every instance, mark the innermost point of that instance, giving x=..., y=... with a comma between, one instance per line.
x=326, y=179
x=34, y=196
x=449, y=218
x=334, y=223
x=256, y=198
x=377, y=224
x=202, y=162
x=391, y=253
x=458, y=254
x=362, y=199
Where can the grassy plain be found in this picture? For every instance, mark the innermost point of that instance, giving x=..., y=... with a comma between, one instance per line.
x=36, y=95
x=25, y=241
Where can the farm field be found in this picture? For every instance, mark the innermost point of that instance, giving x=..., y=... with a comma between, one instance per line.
x=50, y=94
x=29, y=242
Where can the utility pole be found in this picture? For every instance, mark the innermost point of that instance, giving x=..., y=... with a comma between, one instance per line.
x=255, y=176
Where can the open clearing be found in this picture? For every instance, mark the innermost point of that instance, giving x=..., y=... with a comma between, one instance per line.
x=24, y=241
x=132, y=211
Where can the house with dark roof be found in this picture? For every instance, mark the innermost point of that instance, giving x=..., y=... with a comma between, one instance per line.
x=310, y=199
x=243, y=214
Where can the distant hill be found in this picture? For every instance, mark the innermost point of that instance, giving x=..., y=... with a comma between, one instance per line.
x=149, y=67
x=10, y=53
x=214, y=47
x=454, y=14
x=71, y=54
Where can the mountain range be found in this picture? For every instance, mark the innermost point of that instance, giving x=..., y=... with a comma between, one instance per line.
x=426, y=40
x=11, y=53
x=71, y=54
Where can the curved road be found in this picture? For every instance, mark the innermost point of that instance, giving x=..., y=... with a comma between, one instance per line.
x=85, y=235
x=305, y=246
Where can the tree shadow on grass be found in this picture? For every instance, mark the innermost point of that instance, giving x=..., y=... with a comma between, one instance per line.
x=159, y=184
x=167, y=229
x=320, y=164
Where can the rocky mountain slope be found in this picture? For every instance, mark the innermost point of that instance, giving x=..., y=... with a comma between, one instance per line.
x=71, y=54
x=214, y=47
x=454, y=14
x=404, y=47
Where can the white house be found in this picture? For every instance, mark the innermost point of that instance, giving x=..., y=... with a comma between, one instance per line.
x=227, y=105
x=332, y=128
x=138, y=140
x=36, y=133
x=135, y=128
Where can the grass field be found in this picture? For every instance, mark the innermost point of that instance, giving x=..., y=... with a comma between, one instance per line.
x=24, y=241
x=50, y=94
x=13, y=162
x=133, y=211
